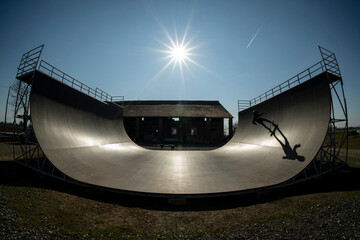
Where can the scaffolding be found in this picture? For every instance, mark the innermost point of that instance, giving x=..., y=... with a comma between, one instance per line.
x=30, y=153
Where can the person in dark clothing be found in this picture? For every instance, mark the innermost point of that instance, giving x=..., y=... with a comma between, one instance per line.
x=258, y=119
x=157, y=139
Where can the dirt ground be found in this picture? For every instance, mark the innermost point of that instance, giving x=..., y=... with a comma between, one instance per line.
x=6, y=151
x=66, y=211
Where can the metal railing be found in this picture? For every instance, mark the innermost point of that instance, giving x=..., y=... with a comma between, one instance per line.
x=118, y=100
x=29, y=61
x=329, y=64
x=243, y=104
x=76, y=84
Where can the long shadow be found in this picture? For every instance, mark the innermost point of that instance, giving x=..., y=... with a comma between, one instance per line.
x=290, y=152
x=14, y=174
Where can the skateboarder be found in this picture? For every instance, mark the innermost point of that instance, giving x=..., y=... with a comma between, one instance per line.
x=258, y=119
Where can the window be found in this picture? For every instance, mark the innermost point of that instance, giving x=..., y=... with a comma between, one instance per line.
x=173, y=131
x=193, y=131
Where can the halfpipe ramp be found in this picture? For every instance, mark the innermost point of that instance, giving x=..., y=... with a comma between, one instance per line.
x=85, y=139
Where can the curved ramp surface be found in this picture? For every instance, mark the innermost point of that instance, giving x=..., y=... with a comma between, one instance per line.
x=85, y=139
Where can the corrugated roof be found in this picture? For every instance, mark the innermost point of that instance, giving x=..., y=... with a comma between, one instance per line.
x=209, y=109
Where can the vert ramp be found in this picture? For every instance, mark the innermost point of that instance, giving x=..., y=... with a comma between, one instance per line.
x=85, y=139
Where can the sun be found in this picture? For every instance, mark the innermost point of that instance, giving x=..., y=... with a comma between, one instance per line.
x=179, y=53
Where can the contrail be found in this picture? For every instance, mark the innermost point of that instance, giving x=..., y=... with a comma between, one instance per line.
x=254, y=37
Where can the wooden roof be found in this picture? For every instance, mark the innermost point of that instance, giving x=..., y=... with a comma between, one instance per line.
x=208, y=109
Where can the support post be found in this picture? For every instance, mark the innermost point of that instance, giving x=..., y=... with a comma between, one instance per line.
x=161, y=132
x=7, y=102
x=137, y=129
x=230, y=127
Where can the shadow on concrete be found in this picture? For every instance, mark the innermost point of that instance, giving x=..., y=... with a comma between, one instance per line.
x=14, y=174
x=290, y=152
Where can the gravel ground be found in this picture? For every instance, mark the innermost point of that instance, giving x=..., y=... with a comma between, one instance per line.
x=340, y=220
x=13, y=227
x=337, y=221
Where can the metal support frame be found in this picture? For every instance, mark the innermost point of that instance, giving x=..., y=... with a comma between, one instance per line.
x=337, y=135
x=336, y=141
x=31, y=154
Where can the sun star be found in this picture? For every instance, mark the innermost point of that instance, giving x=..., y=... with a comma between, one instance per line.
x=178, y=51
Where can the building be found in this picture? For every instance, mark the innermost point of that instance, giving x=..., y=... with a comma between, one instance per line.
x=189, y=122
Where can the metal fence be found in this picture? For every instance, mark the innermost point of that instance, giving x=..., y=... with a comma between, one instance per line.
x=329, y=64
x=76, y=84
x=29, y=61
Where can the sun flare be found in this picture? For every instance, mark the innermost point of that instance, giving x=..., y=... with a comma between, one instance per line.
x=179, y=51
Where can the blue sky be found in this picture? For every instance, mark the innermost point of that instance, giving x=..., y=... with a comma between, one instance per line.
x=242, y=48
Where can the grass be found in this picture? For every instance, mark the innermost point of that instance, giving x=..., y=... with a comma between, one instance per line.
x=73, y=210
x=88, y=218
x=353, y=164
x=70, y=214
x=38, y=207
x=354, y=139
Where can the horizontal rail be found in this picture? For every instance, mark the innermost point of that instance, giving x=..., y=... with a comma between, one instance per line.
x=328, y=64
x=76, y=84
x=118, y=99
x=243, y=104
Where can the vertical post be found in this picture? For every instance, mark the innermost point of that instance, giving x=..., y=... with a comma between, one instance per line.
x=230, y=127
x=161, y=132
x=208, y=136
x=16, y=102
x=182, y=127
x=137, y=129
x=7, y=102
